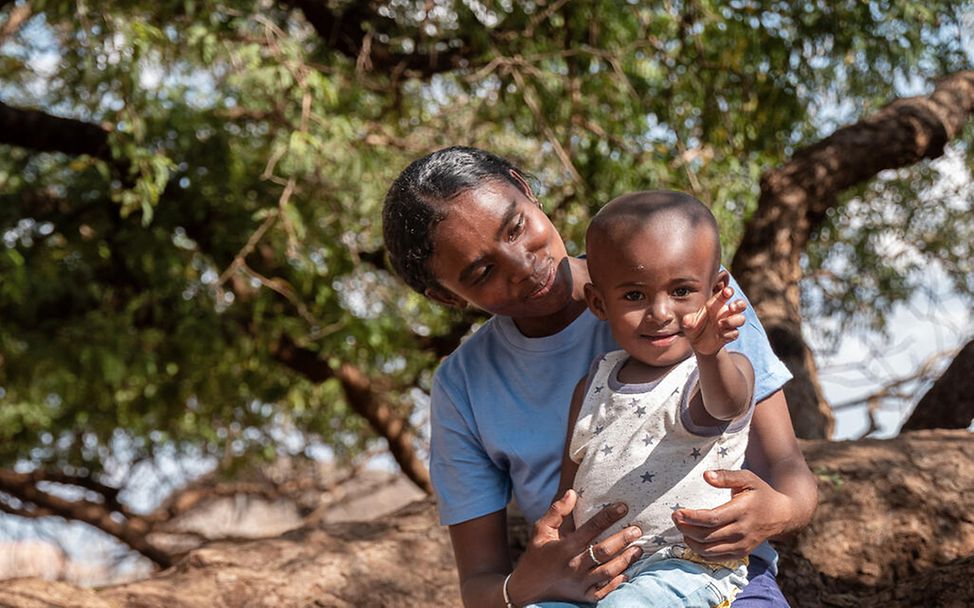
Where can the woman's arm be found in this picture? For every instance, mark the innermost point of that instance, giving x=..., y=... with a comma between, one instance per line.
x=773, y=454
x=554, y=565
x=483, y=558
x=777, y=496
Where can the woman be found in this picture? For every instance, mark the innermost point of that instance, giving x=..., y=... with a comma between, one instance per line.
x=462, y=226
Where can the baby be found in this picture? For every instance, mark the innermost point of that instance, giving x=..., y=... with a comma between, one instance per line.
x=648, y=420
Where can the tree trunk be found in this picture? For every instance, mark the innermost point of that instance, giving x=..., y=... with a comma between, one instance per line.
x=949, y=404
x=793, y=202
x=893, y=528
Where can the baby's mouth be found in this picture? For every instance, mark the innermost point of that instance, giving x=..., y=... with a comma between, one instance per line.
x=662, y=339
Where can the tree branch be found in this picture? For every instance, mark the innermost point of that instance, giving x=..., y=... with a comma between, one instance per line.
x=351, y=33
x=18, y=16
x=36, y=130
x=949, y=404
x=793, y=202
x=364, y=399
x=131, y=531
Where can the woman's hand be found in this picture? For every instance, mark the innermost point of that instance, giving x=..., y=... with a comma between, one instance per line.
x=755, y=513
x=556, y=564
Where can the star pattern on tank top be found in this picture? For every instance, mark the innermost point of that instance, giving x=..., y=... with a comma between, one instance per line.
x=695, y=454
x=647, y=477
x=606, y=450
x=648, y=440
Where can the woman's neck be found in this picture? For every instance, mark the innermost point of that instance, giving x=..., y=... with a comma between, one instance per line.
x=549, y=325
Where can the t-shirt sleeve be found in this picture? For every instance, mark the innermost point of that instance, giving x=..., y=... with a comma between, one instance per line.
x=468, y=483
x=770, y=374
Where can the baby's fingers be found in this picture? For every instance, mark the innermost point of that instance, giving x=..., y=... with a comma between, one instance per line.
x=732, y=322
x=718, y=300
x=690, y=323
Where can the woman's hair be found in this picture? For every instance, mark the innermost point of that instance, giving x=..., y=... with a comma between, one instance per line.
x=417, y=202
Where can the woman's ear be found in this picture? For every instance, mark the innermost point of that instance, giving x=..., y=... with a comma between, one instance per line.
x=445, y=297
x=595, y=302
x=722, y=281
x=525, y=187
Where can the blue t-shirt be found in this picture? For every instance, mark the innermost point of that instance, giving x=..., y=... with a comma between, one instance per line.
x=499, y=410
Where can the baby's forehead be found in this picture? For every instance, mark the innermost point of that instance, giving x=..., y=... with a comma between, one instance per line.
x=653, y=248
x=659, y=231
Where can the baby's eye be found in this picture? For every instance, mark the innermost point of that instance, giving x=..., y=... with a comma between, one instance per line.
x=682, y=292
x=633, y=296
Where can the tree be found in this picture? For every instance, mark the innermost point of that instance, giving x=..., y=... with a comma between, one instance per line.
x=192, y=258
x=906, y=503
x=950, y=401
x=795, y=199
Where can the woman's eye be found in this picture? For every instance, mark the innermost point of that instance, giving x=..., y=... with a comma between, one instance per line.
x=484, y=274
x=632, y=296
x=517, y=228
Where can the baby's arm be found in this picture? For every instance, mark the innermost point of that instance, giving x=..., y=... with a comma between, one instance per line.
x=726, y=379
x=568, y=466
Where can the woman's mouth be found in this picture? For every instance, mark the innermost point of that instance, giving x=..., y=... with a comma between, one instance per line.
x=544, y=285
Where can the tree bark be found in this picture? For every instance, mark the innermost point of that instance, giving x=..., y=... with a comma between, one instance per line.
x=893, y=528
x=36, y=130
x=123, y=525
x=366, y=401
x=949, y=404
x=17, y=17
x=354, y=31
x=793, y=201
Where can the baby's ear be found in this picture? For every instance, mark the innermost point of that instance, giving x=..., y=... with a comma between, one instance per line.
x=445, y=297
x=595, y=302
x=722, y=281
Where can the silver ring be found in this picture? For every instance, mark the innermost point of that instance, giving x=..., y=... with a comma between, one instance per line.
x=592, y=555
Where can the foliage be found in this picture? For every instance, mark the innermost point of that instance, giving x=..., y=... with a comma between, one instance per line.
x=145, y=295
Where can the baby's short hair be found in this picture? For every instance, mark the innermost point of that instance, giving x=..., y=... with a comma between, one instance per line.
x=623, y=217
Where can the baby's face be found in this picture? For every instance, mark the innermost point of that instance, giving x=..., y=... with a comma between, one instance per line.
x=647, y=283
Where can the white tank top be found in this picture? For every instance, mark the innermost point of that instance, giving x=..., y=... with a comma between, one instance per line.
x=636, y=443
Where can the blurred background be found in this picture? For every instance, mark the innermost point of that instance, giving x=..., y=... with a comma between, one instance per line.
x=200, y=337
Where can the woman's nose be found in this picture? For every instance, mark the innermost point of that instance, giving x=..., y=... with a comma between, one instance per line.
x=521, y=264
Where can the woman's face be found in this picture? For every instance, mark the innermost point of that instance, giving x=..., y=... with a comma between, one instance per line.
x=497, y=250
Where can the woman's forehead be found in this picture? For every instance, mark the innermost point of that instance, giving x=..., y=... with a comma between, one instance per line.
x=483, y=208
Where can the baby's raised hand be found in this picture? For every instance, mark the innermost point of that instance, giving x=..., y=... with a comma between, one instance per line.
x=715, y=324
